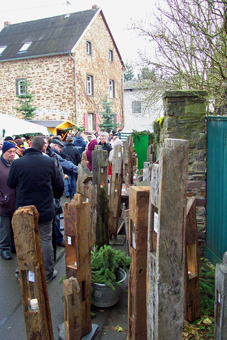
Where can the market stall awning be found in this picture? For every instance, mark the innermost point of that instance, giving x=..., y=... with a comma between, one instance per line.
x=10, y=126
x=54, y=126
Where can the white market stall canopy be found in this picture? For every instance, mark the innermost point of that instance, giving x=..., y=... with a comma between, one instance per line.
x=10, y=126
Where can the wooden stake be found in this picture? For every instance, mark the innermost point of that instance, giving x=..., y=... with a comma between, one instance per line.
x=32, y=274
x=78, y=255
x=192, y=291
x=166, y=242
x=115, y=191
x=72, y=302
x=138, y=226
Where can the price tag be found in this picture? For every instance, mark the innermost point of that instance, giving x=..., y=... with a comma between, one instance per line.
x=31, y=276
x=119, y=154
x=69, y=240
x=102, y=170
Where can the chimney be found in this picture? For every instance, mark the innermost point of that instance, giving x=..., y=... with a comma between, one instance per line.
x=7, y=23
x=94, y=7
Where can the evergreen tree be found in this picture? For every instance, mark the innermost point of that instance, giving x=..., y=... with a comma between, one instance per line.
x=25, y=104
x=128, y=74
x=147, y=73
x=108, y=117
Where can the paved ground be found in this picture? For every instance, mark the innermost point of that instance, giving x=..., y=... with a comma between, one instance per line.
x=12, y=326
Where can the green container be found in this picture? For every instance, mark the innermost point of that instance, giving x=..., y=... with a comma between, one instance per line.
x=140, y=147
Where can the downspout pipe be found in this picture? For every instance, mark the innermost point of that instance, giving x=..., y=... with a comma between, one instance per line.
x=75, y=94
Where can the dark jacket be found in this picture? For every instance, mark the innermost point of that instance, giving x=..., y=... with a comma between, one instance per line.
x=7, y=195
x=80, y=143
x=38, y=181
x=66, y=165
x=106, y=146
x=70, y=150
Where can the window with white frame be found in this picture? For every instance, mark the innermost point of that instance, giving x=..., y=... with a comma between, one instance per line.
x=91, y=125
x=25, y=47
x=88, y=47
x=112, y=94
x=136, y=107
x=90, y=89
x=2, y=49
x=21, y=86
x=110, y=55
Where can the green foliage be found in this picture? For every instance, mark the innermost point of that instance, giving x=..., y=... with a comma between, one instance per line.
x=25, y=105
x=157, y=129
x=147, y=73
x=105, y=264
x=137, y=134
x=108, y=117
x=128, y=74
x=207, y=286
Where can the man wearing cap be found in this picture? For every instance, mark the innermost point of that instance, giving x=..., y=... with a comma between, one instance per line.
x=56, y=146
x=38, y=181
x=71, y=153
x=7, y=202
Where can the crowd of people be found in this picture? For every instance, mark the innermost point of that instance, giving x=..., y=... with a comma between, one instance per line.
x=38, y=172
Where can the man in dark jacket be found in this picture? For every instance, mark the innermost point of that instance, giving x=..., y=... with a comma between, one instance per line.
x=80, y=143
x=38, y=181
x=71, y=153
x=7, y=202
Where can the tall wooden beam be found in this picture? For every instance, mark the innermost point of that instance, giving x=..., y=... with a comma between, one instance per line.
x=100, y=163
x=33, y=286
x=192, y=290
x=138, y=226
x=115, y=191
x=166, y=242
x=78, y=254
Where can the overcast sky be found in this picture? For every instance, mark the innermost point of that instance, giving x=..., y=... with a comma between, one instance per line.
x=118, y=14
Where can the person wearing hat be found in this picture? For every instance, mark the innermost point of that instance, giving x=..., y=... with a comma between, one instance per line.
x=56, y=146
x=38, y=181
x=7, y=201
x=71, y=153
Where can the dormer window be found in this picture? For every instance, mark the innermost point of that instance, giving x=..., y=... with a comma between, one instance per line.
x=2, y=49
x=25, y=47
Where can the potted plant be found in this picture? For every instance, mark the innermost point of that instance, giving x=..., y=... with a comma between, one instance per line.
x=108, y=269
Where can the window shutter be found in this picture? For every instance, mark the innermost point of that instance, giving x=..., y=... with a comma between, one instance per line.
x=96, y=121
x=86, y=121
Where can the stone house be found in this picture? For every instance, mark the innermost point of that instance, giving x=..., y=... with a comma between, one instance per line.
x=69, y=61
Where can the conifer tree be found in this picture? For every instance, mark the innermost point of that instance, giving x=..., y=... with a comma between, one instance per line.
x=25, y=104
x=107, y=116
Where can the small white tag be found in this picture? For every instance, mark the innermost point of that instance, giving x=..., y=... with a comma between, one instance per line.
x=219, y=297
x=69, y=239
x=102, y=170
x=156, y=222
x=31, y=276
x=119, y=154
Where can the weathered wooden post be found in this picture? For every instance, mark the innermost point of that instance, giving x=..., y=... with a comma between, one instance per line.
x=72, y=310
x=100, y=163
x=129, y=161
x=138, y=226
x=220, y=308
x=192, y=291
x=166, y=242
x=89, y=194
x=33, y=286
x=115, y=191
x=78, y=254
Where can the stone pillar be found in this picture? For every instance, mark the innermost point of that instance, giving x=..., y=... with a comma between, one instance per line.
x=185, y=113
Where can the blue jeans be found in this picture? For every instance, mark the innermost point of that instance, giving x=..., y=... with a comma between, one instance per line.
x=58, y=234
x=72, y=182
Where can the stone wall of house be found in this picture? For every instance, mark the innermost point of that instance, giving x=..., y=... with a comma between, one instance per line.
x=185, y=118
x=52, y=79
x=98, y=65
